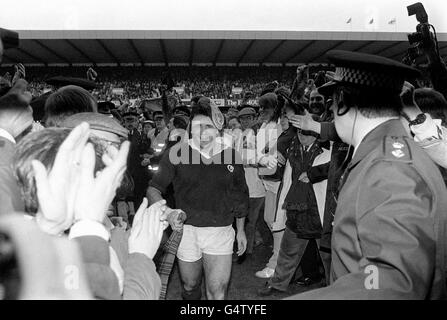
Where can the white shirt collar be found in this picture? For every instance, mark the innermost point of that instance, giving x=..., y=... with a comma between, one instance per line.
x=5, y=134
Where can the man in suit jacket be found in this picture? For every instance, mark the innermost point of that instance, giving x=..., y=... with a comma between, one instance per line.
x=136, y=170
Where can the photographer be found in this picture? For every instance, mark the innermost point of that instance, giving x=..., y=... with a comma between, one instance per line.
x=425, y=43
x=436, y=68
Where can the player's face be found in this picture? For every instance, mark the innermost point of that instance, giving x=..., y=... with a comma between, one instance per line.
x=203, y=131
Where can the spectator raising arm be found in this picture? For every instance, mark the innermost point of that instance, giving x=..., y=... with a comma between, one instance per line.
x=431, y=136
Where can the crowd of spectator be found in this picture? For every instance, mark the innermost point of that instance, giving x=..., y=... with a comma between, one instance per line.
x=145, y=82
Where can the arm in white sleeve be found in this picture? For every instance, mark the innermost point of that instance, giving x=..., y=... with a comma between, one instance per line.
x=84, y=228
x=432, y=137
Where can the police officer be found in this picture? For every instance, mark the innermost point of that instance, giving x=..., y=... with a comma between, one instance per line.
x=389, y=236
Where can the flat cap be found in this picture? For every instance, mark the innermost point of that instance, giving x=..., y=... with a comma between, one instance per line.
x=97, y=121
x=367, y=71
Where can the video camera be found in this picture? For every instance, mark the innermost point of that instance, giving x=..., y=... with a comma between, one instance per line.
x=423, y=38
x=9, y=38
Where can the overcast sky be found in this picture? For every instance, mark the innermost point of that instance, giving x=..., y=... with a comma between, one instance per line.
x=284, y=15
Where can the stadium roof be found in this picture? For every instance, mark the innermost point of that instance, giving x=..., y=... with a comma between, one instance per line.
x=73, y=47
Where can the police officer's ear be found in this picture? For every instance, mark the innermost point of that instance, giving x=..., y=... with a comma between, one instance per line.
x=345, y=101
x=342, y=109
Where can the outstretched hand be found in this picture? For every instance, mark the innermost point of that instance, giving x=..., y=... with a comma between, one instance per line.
x=304, y=122
x=147, y=229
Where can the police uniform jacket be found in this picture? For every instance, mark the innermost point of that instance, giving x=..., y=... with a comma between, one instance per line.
x=389, y=236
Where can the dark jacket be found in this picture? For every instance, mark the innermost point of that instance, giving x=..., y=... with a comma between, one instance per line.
x=300, y=203
x=137, y=171
x=339, y=161
x=212, y=192
x=390, y=223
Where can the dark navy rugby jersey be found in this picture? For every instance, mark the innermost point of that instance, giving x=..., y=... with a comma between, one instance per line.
x=211, y=191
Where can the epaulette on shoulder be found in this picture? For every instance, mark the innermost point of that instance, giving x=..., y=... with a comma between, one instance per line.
x=396, y=149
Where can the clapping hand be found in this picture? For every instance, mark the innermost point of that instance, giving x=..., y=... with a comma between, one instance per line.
x=20, y=89
x=91, y=74
x=56, y=190
x=96, y=191
x=19, y=73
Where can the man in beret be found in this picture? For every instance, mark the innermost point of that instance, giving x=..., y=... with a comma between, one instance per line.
x=388, y=240
x=247, y=117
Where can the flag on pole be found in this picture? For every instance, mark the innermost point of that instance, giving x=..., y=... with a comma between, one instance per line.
x=392, y=21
